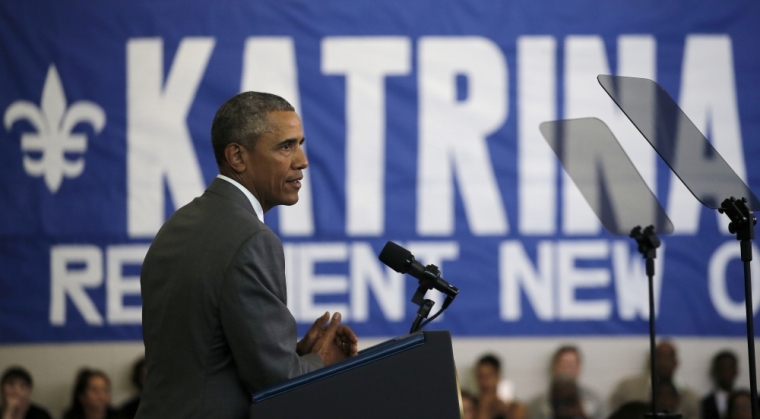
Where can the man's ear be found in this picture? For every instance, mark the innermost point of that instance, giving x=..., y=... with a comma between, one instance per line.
x=233, y=153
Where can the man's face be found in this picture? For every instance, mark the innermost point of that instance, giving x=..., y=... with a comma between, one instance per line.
x=725, y=373
x=16, y=392
x=274, y=166
x=97, y=395
x=666, y=361
x=567, y=366
x=488, y=378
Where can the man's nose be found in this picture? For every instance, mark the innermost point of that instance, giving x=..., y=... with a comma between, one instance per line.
x=300, y=161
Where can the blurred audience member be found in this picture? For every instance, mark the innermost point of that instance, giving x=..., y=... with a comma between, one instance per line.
x=91, y=398
x=129, y=408
x=566, y=366
x=668, y=399
x=469, y=406
x=565, y=400
x=16, y=392
x=638, y=388
x=632, y=410
x=723, y=371
x=490, y=406
x=739, y=405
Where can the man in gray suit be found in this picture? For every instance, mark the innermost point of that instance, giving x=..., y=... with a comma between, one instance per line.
x=215, y=321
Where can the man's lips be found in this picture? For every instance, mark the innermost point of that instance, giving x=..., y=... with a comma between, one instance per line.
x=295, y=181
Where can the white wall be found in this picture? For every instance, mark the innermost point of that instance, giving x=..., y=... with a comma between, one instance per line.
x=525, y=360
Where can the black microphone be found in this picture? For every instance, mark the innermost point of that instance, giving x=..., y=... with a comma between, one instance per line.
x=402, y=261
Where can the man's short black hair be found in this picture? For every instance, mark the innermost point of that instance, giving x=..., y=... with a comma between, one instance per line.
x=563, y=350
x=724, y=354
x=242, y=119
x=492, y=360
x=17, y=372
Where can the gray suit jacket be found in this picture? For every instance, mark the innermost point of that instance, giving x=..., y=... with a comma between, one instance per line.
x=215, y=321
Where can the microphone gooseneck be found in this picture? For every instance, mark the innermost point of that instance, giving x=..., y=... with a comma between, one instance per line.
x=402, y=261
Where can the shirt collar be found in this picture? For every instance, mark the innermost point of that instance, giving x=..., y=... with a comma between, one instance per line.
x=254, y=202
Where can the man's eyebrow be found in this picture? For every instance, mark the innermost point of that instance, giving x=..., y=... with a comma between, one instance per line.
x=289, y=141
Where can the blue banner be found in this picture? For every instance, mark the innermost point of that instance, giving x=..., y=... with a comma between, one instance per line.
x=421, y=121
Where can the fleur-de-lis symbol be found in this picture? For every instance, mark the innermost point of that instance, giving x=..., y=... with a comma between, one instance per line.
x=53, y=139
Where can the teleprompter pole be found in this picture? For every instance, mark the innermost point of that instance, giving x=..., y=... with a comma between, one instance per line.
x=742, y=224
x=648, y=243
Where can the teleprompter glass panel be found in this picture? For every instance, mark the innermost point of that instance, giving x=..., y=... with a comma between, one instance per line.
x=677, y=140
x=605, y=176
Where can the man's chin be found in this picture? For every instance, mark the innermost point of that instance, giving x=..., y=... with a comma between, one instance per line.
x=290, y=201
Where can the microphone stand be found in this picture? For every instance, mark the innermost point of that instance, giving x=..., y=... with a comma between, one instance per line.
x=742, y=224
x=424, y=310
x=426, y=283
x=648, y=243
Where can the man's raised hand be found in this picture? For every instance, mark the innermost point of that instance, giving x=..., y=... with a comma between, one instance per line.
x=332, y=346
x=347, y=340
x=312, y=335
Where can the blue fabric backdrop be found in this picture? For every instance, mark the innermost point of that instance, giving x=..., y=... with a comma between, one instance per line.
x=421, y=122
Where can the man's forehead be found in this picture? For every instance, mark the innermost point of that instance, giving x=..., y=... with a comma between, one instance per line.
x=284, y=118
x=284, y=125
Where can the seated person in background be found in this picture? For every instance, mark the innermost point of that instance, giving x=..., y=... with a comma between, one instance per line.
x=638, y=388
x=490, y=406
x=565, y=400
x=566, y=365
x=668, y=399
x=723, y=372
x=739, y=405
x=16, y=391
x=91, y=398
x=469, y=406
x=129, y=408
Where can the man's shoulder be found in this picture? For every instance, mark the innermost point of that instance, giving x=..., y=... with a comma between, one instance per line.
x=221, y=204
x=212, y=226
x=222, y=194
x=231, y=193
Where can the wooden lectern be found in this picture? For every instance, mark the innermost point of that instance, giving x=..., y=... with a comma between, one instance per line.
x=412, y=376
